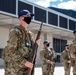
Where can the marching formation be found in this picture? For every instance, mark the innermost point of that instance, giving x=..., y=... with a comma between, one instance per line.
x=20, y=53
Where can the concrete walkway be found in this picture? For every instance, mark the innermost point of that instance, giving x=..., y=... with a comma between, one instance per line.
x=58, y=71
x=38, y=71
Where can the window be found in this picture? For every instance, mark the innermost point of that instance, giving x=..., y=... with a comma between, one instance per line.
x=72, y=25
x=22, y=6
x=63, y=22
x=52, y=19
x=8, y=6
x=63, y=42
x=40, y=14
x=58, y=58
x=59, y=44
x=56, y=45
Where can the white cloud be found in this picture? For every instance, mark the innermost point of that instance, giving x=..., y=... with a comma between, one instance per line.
x=35, y=1
x=68, y=5
x=53, y=0
x=61, y=0
x=44, y=3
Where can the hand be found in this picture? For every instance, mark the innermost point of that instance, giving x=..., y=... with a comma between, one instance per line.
x=29, y=64
x=50, y=62
x=38, y=42
x=69, y=61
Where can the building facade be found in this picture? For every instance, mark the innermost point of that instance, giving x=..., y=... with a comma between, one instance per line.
x=57, y=27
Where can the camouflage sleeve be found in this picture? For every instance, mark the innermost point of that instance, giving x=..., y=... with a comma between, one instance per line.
x=43, y=59
x=13, y=39
x=62, y=58
x=72, y=51
x=20, y=57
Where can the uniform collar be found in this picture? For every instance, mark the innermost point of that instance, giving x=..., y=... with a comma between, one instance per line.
x=23, y=28
x=47, y=49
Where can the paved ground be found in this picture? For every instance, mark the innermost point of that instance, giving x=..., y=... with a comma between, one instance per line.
x=58, y=71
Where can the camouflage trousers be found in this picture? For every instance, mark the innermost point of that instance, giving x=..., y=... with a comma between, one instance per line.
x=13, y=72
x=10, y=69
x=48, y=69
x=14, y=69
x=67, y=68
x=25, y=72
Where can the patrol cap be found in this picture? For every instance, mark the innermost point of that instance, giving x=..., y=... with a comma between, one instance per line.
x=25, y=12
x=51, y=48
x=46, y=41
x=74, y=31
x=66, y=45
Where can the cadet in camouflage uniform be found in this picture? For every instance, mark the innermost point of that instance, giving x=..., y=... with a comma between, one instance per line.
x=65, y=59
x=45, y=55
x=72, y=50
x=20, y=43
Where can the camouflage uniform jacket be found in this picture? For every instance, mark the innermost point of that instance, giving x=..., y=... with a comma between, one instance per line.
x=44, y=55
x=65, y=57
x=72, y=50
x=16, y=51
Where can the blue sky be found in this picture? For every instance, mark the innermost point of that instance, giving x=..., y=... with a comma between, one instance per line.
x=64, y=4
x=57, y=2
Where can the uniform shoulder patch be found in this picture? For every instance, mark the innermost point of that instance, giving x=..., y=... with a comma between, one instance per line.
x=30, y=34
x=15, y=30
